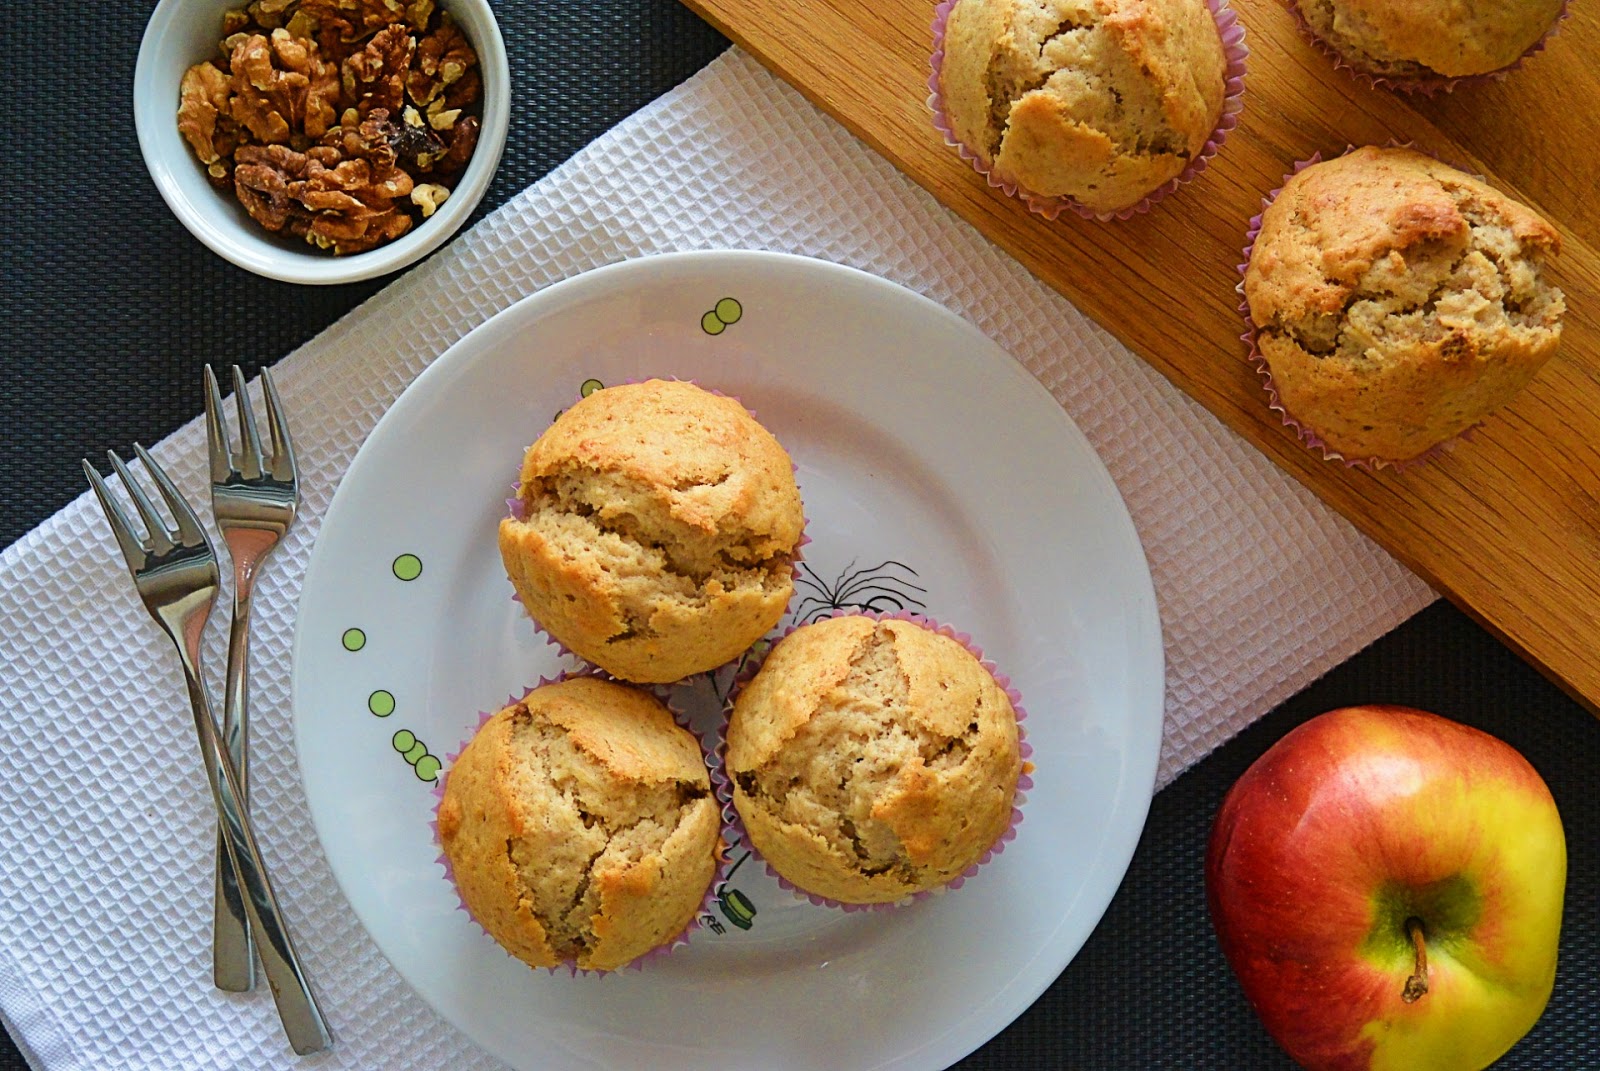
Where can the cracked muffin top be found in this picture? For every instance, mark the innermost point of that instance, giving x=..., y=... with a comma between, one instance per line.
x=657, y=532
x=1399, y=301
x=580, y=825
x=872, y=759
x=1426, y=39
x=1102, y=101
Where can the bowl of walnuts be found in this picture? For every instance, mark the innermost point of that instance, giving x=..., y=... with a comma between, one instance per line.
x=322, y=141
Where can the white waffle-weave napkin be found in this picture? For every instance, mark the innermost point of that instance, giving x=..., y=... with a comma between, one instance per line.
x=106, y=883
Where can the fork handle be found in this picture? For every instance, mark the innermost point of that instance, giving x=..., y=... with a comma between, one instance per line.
x=233, y=959
x=297, y=1007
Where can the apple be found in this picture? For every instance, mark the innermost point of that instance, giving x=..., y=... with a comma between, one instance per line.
x=1387, y=885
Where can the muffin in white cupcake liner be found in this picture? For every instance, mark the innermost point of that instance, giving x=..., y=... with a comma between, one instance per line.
x=1423, y=86
x=723, y=784
x=517, y=510
x=1308, y=437
x=1234, y=48
x=660, y=692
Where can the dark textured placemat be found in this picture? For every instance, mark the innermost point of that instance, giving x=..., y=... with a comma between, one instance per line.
x=111, y=308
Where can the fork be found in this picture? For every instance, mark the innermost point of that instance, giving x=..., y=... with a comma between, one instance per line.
x=253, y=497
x=175, y=572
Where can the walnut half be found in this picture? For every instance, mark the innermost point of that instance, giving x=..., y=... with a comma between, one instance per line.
x=281, y=88
x=202, y=106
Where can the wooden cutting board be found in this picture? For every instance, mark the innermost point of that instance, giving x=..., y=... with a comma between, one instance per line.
x=1507, y=524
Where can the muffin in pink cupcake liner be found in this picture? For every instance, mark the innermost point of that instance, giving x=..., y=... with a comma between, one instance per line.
x=661, y=692
x=1309, y=438
x=1424, y=86
x=1233, y=44
x=737, y=836
x=517, y=510
x=1258, y=361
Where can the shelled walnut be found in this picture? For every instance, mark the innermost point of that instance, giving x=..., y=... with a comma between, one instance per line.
x=343, y=122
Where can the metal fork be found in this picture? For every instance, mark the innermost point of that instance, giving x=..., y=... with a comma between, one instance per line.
x=253, y=497
x=175, y=572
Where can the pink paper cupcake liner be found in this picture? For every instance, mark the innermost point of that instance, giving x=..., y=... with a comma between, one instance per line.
x=1233, y=43
x=1424, y=86
x=737, y=836
x=1258, y=361
x=707, y=903
x=518, y=511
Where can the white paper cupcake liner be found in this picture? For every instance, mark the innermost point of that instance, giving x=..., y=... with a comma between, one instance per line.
x=682, y=938
x=738, y=837
x=1423, y=86
x=1234, y=48
x=1308, y=437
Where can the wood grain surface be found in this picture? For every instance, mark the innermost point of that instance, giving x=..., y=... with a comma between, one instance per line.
x=1507, y=523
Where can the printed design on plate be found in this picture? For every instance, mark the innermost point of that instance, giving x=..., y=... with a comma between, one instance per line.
x=416, y=753
x=381, y=702
x=725, y=679
x=735, y=906
x=723, y=315
x=588, y=387
x=888, y=587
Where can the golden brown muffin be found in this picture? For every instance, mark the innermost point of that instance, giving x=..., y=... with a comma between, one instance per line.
x=872, y=759
x=1102, y=101
x=1423, y=39
x=659, y=530
x=580, y=826
x=1398, y=301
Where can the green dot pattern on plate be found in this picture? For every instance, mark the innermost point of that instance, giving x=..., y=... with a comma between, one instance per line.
x=589, y=387
x=711, y=325
x=381, y=703
x=415, y=752
x=353, y=639
x=728, y=311
x=407, y=567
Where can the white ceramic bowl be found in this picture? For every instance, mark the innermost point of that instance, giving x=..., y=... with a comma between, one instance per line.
x=182, y=33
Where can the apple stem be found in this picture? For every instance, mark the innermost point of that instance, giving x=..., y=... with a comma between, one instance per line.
x=1417, y=984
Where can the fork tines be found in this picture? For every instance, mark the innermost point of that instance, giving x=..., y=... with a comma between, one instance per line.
x=249, y=463
x=158, y=540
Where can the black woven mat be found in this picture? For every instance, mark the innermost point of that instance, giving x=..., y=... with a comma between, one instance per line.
x=111, y=308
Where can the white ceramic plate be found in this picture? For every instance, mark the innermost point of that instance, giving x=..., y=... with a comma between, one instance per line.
x=937, y=475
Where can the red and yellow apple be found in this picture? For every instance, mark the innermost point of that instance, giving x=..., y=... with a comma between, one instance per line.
x=1387, y=885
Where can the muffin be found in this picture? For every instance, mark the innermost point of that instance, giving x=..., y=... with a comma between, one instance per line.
x=1100, y=101
x=580, y=827
x=1397, y=301
x=1425, y=40
x=872, y=759
x=656, y=530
